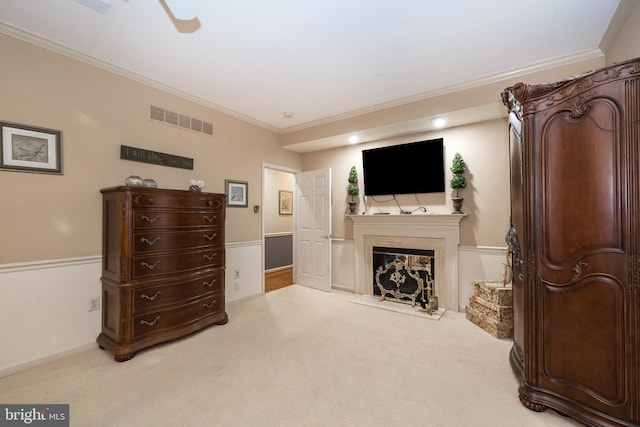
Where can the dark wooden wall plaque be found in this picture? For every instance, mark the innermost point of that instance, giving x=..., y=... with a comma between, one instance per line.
x=154, y=157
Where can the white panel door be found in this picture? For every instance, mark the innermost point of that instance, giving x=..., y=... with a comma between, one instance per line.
x=313, y=229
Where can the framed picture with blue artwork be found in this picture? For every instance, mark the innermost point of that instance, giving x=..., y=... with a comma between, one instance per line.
x=237, y=193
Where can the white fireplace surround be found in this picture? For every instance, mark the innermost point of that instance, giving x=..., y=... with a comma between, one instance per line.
x=437, y=232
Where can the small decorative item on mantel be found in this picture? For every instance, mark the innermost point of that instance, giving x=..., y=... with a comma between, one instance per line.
x=196, y=185
x=458, y=181
x=352, y=189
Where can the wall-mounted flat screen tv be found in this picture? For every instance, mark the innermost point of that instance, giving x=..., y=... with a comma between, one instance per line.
x=417, y=167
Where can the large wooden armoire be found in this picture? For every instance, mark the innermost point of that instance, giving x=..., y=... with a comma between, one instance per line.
x=575, y=244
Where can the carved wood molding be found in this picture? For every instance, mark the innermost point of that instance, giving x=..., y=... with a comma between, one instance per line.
x=532, y=405
x=516, y=255
x=623, y=71
x=634, y=274
x=578, y=106
x=124, y=265
x=522, y=98
x=578, y=271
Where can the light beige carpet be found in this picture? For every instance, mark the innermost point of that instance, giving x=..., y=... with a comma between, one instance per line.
x=398, y=307
x=295, y=357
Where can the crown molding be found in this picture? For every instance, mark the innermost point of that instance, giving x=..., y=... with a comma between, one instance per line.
x=584, y=55
x=20, y=34
x=617, y=22
x=36, y=40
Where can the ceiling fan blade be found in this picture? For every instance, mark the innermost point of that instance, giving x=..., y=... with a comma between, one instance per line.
x=183, y=10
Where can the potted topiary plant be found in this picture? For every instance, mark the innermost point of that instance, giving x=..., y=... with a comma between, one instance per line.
x=458, y=181
x=352, y=189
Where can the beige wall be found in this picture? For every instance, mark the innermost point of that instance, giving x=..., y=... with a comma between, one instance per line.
x=274, y=181
x=484, y=146
x=51, y=217
x=626, y=44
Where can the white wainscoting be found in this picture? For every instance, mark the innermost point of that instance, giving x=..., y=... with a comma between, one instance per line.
x=343, y=276
x=478, y=263
x=246, y=258
x=43, y=310
x=43, y=304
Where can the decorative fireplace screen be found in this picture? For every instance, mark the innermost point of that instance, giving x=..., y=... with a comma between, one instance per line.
x=405, y=275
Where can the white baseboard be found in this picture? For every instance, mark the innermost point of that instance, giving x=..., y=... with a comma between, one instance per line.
x=42, y=360
x=342, y=288
x=284, y=267
x=246, y=298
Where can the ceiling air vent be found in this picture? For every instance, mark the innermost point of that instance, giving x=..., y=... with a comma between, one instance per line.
x=170, y=118
x=196, y=125
x=183, y=121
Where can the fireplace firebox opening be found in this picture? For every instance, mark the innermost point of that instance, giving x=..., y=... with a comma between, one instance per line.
x=405, y=275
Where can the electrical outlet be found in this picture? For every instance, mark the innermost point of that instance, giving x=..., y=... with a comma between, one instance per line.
x=237, y=286
x=236, y=274
x=94, y=304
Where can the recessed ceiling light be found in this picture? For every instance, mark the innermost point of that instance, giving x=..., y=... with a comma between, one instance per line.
x=353, y=139
x=288, y=115
x=439, y=122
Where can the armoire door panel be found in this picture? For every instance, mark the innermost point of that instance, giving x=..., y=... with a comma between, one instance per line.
x=580, y=187
x=591, y=315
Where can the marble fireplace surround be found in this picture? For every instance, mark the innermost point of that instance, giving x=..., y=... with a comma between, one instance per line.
x=437, y=232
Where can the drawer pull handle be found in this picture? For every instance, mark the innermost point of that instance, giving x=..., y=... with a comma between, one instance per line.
x=210, y=218
x=210, y=284
x=147, y=297
x=210, y=257
x=151, y=200
x=211, y=237
x=150, y=266
x=209, y=202
x=207, y=306
x=152, y=323
x=150, y=220
x=149, y=242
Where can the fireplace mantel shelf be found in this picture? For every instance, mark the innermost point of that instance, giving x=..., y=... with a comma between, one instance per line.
x=404, y=218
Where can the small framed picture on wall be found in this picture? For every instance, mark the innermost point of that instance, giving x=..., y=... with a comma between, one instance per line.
x=286, y=202
x=237, y=193
x=27, y=148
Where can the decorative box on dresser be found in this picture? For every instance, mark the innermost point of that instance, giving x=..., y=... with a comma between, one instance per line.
x=163, y=266
x=575, y=244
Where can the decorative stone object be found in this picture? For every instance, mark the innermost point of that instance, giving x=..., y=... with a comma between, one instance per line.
x=149, y=183
x=490, y=307
x=133, y=181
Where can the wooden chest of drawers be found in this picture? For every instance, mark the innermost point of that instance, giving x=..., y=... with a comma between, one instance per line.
x=162, y=266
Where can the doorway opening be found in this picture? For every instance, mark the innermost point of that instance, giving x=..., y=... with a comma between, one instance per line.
x=278, y=226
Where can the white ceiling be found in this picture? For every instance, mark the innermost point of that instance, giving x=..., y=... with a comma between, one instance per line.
x=320, y=59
